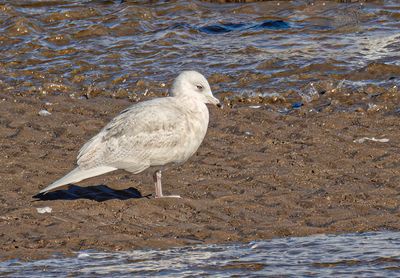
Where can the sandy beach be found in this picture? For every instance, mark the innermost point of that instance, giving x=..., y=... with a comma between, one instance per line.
x=259, y=174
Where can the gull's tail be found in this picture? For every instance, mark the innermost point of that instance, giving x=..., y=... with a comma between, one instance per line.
x=77, y=175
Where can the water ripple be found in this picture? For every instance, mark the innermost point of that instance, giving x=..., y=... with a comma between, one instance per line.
x=364, y=254
x=82, y=44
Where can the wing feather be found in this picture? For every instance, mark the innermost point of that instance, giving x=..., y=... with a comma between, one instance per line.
x=143, y=135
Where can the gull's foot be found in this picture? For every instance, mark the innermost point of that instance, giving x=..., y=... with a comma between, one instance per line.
x=169, y=196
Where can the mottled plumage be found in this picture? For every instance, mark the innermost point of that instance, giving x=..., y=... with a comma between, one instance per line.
x=152, y=133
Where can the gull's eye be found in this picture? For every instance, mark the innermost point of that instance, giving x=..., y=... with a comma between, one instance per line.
x=199, y=87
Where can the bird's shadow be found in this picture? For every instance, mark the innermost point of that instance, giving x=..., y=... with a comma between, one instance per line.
x=99, y=193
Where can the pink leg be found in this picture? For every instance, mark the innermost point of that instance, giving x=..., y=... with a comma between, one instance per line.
x=157, y=183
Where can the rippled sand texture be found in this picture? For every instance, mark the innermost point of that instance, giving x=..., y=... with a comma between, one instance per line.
x=258, y=175
x=282, y=159
x=252, y=50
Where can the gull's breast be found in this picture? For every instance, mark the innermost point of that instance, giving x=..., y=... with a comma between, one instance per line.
x=191, y=135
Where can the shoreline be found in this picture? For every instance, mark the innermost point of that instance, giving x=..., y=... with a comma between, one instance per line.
x=257, y=175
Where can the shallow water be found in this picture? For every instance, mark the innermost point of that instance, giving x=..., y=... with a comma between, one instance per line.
x=298, y=49
x=362, y=255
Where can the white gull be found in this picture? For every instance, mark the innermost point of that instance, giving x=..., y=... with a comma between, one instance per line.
x=151, y=133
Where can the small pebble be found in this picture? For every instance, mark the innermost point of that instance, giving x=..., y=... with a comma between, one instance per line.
x=362, y=140
x=44, y=113
x=44, y=210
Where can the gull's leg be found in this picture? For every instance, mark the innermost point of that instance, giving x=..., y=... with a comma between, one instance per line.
x=157, y=183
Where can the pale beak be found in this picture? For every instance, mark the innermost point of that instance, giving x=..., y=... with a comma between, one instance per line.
x=215, y=101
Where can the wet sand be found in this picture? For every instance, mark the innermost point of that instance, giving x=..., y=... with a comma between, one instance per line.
x=259, y=174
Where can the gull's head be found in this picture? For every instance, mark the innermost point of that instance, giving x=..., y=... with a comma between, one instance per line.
x=195, y=85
